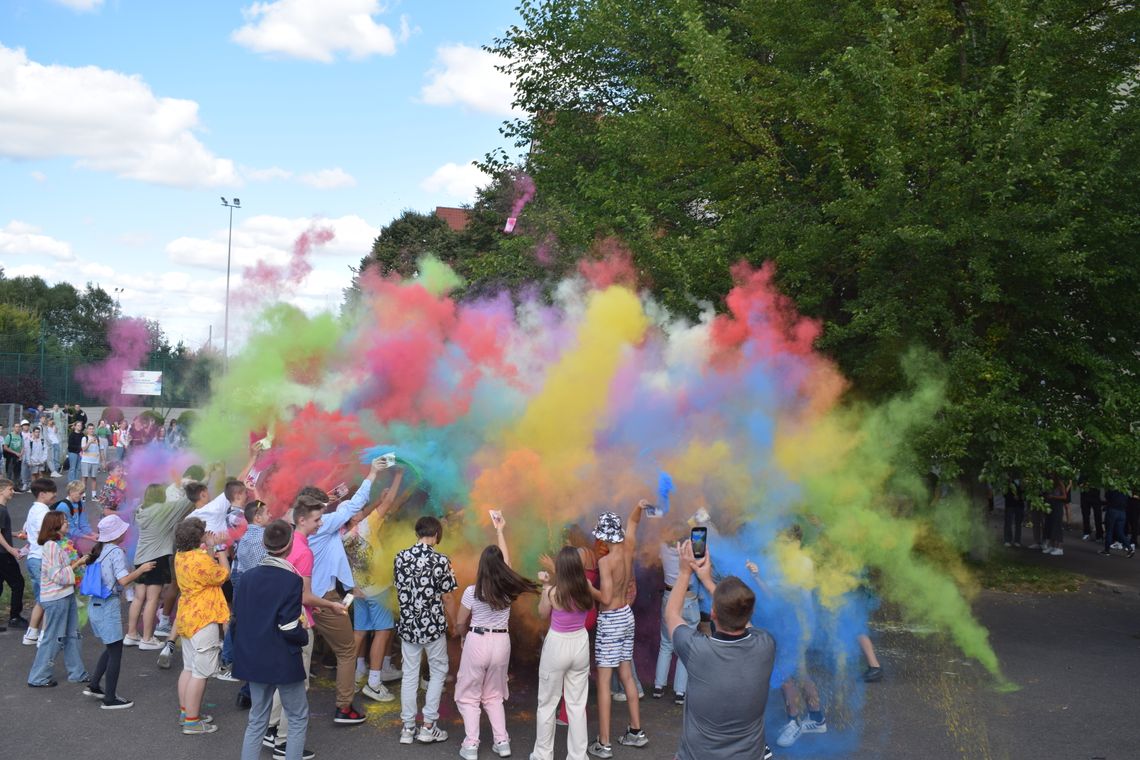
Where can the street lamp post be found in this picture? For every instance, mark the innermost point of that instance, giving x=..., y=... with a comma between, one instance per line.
x=229, y=249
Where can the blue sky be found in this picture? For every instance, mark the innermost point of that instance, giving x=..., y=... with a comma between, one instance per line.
x=122, y=122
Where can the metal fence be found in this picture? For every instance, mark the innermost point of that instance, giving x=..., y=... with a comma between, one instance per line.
x=53, y=377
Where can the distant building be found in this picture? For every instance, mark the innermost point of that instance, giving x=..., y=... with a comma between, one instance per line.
x=455, y=218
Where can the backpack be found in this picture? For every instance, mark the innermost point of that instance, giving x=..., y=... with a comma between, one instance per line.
x=92, y=584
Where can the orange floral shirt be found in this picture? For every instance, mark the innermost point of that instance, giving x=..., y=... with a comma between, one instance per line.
x=200, y=580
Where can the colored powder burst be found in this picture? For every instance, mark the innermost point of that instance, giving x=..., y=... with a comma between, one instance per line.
x=552, y=412
x=264, y=282
x=130, y=343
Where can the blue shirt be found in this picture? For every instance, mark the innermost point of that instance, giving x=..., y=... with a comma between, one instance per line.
x=330, y=563
x=76, y=517
x=250, y=549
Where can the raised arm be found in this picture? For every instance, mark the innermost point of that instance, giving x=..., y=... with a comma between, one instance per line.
x=335, y=521
x=544, y=603
x=634, y=519
x=500, y=524
x=384, y=504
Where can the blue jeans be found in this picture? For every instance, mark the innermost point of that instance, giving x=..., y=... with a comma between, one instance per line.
x=691, y=614
x=73, y=465
x=295, y=705
x=1114, y=529
x=53, y=457
x=34, y=565
x=60, y=631
x=228, y=639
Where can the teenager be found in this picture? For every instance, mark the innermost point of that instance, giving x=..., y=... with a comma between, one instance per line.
x=564, y=667
x=90, y=460
x=330, y=567
x=481, y=623
x=10, y=559
x=74, y=510
x=373, y=604
x=74, y=449
x=51, y=436
x=268, y=635
x=201, y=567
x=36, y=455
x=105, y=612
x=728, y=671
x=613, y=647
x=43, y=493
x=423, y=578
x=157, y=521
x=60, y=609
x=670, y=556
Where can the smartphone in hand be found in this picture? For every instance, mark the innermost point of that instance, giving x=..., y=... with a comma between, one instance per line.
x=699, y=538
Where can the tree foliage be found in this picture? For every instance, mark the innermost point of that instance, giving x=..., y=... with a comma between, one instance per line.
x=957, y=176
x=75, y=321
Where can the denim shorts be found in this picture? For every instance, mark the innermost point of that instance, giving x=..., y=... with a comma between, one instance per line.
x=106, y=618
x=371, y=613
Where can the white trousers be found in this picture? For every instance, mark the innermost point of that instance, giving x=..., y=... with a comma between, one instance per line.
x=564, y=669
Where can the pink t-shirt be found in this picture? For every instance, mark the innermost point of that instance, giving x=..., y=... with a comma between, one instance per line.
x=301, y=557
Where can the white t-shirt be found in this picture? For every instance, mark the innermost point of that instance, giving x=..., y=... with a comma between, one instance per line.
x=36, y=514
x=482, y=614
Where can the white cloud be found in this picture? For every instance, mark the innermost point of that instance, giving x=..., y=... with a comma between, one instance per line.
x=107, y=120
x=328, y=179
x=458, y=182
x=38, y=176
x=317, y=30
x=467, y=76
x=19, y=239
x=271, y=174
x=270, y=239
x=80, y=5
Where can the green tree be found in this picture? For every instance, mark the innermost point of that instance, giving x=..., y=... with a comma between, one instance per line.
x=955, y=176
x=19, y=330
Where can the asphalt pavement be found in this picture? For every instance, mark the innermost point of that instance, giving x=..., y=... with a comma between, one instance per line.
x=1074, y=658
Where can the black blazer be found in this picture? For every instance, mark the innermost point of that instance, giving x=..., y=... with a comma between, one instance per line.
x=268, y=597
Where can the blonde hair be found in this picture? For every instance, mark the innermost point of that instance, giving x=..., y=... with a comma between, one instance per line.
x=74, y=485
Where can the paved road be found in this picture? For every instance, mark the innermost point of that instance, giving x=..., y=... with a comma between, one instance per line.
x=1076, y=658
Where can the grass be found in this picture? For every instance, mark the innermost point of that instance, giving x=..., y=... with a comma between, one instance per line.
x=1016, y=577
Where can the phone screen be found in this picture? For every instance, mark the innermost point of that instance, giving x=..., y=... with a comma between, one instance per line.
x=700, y=539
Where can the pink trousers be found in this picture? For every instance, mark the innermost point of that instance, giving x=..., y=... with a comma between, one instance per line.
x=482, y=681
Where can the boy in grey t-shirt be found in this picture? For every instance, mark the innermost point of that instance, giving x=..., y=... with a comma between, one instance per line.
x=728, y=671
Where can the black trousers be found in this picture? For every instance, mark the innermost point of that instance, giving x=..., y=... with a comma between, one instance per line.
x=11, y=575
x=1132, y=519
x=1093, y=511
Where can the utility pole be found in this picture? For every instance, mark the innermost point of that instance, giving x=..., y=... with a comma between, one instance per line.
x=229, y=250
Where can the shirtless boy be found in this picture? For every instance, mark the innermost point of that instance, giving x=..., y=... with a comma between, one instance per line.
x=613, y=647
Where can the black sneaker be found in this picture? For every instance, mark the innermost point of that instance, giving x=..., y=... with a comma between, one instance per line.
x=873, y=675
x=17, y=622
x=349, y=717
x=270, y=738
x=306, y=753
x=118, y=703
x=1105, y=553
x=679, y=698
x=658, y=692
x=243, y=701
x=1131, y=551
x=767, y=753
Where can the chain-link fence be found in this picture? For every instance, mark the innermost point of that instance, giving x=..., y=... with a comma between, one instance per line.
x=46, y=379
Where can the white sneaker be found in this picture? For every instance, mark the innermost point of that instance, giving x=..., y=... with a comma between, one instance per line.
x=379, y=693
x=166, y=655
x=433, y=734
x=408, y=734
x=619, y=696
x=55, y=474
x=131, y=641
x=1056, y=551
x=810, y=726
x=165, y=627
x=31, y=639
x=391, y=674
x=1007, y=545
x=150, y=645
x=224, y=673
x=1116, y=545
x=468, y=753
x=790, y=734
x=502, y=749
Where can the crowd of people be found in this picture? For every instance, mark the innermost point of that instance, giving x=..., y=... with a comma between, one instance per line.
x=49, y=442
x=1108, y=515
x=248, y=596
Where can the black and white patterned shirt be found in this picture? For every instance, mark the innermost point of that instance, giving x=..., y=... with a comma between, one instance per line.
x=422, y=576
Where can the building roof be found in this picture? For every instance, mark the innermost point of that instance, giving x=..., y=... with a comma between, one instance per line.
x=456, y=218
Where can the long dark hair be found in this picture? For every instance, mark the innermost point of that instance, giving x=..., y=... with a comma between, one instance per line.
x=51, y=528
x=571, y=589
x=496, y=584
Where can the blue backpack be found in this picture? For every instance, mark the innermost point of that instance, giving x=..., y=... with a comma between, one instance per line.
x=92, y=584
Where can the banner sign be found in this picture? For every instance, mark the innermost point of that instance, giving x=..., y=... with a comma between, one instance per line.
x=136, y=383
